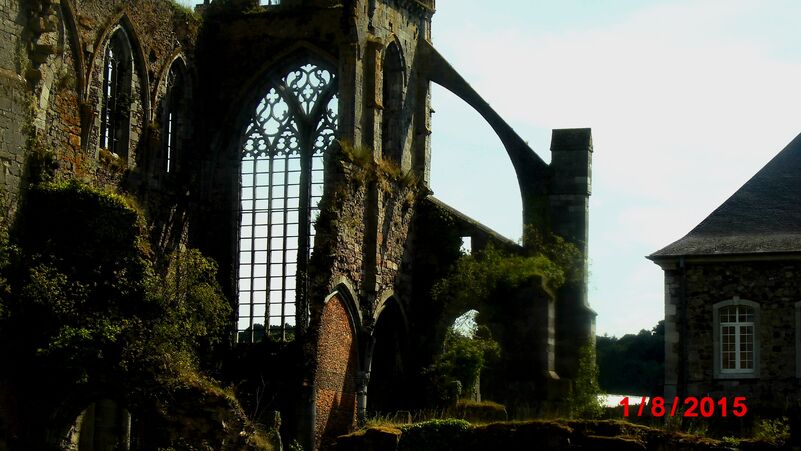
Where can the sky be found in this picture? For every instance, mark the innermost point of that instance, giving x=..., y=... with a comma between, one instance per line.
x=686, y=101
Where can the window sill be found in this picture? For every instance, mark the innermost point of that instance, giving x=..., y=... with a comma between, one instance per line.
x=737, y=375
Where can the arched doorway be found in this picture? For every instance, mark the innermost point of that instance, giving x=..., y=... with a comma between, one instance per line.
x=104, y=425
x=386, y=390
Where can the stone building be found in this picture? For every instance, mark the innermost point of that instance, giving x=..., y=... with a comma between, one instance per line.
x=290, y=141
x=732, y=296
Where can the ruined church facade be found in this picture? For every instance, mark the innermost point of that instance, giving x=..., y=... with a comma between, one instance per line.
x=290, y=142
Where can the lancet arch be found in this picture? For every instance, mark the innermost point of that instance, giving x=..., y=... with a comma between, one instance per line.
x=281, y=183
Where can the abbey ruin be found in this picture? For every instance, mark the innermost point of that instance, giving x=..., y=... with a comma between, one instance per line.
x=289, y=142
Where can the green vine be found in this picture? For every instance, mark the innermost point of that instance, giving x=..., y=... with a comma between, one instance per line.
x=87, y=300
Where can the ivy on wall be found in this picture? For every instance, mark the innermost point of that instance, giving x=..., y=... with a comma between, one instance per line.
x=88, y=310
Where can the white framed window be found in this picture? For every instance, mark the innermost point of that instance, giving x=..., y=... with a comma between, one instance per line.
x=736, y=338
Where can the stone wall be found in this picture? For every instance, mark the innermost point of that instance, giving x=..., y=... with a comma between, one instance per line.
x=372, y=238
x=14, y=105
x=50, y=76
x=689, y=342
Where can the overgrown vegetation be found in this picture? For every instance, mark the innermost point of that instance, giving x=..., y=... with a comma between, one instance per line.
x=479, y=277
x=382, y=171
x=455, y=373
x=537, y=434
x=491, y=280
x=88, y=310
x=584, y=400
x=185, y=11
x=433, y=435
x=775, y=431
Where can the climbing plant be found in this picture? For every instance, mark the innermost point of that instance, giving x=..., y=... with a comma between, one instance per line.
x=476, y=278
x=458, y=368
x=88, y=309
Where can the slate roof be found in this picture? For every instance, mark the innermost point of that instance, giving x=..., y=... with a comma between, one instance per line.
x=763, y=216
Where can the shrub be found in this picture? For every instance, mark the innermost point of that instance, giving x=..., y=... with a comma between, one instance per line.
x=775, y=431
x=458, y=368
x=434, y=435
x=584, y=400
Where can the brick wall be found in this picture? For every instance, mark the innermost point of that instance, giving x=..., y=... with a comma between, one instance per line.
x=336, y=372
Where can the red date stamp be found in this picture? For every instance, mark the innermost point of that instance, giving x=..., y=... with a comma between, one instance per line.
x=691, y=407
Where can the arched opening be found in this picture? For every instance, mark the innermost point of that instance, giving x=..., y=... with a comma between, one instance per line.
x=468, y=354
x=175, y=120
x=335, y=380
x=391, y=127
x=115, y=112
x=281, y=184
x=104, y=425
x=387, y=389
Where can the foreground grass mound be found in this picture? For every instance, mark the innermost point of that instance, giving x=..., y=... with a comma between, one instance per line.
x=450, y=434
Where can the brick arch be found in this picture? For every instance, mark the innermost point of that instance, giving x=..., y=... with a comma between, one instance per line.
x=337, y=370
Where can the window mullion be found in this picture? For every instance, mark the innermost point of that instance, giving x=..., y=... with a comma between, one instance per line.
x=284, y=247
x=269, y=247
x=737, y=357
x=251, y=295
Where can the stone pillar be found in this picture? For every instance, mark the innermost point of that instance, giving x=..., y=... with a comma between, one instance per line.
x=568, y=206
x=362, y=381
x=673, y=311
x=373, y=108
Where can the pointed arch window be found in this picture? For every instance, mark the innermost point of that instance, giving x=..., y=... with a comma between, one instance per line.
x=281, y=185
x=391, y=130
x=116, y=95
x=175, y=112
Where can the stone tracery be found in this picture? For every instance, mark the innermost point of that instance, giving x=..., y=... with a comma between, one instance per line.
x=281, y=185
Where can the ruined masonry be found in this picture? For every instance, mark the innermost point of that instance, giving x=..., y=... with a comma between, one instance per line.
x=290, y=142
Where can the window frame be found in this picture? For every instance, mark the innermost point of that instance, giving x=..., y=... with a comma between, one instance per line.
x=114, y=131
x=393, y=91
x=717, y=327
x=174, y=117
x=309, y=121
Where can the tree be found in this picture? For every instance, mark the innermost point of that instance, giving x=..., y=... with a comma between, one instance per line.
x=633, y=364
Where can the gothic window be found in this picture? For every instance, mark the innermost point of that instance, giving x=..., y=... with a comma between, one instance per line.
x=736, y=327
x=175, y=112
x=281, y=185
x=391, y=130
x=116, y=95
